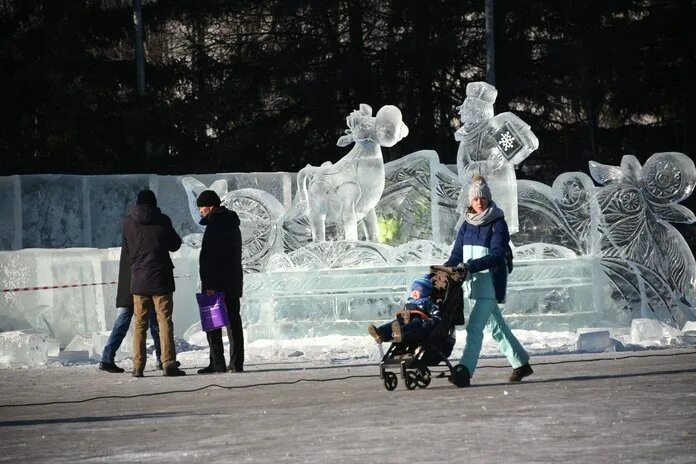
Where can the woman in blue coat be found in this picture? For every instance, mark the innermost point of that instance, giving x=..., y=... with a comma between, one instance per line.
x=481, y=247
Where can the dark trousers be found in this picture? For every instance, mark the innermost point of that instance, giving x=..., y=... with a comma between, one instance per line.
x=413, y=332
x=234, y=333
x=118, y=333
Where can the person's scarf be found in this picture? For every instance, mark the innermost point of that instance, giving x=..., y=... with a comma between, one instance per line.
x=490, y=214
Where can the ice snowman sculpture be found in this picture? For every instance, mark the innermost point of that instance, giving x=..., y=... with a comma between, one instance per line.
x=491, y=146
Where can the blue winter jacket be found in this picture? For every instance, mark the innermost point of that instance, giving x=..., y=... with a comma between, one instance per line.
x=429, y=307
x=494, y=236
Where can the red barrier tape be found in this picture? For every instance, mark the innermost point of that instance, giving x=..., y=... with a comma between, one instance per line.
x=52, y=287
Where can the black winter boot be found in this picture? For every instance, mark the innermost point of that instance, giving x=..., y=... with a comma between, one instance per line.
x=110, y=367
x=137, y=372
x=521, y=372
x=212, y=369
x=460, y=376
x=173, y=371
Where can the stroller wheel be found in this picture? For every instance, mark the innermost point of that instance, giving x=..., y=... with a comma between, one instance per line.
x=423, y=377
x=390, y=381
x=411, y=380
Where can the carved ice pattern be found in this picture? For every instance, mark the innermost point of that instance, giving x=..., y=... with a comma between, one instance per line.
x=259, y=214
x=644, y=253
x=560, y=214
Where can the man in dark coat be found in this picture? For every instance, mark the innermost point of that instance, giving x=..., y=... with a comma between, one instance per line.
x=124, y=304
x=221, y=271
x=149, y=236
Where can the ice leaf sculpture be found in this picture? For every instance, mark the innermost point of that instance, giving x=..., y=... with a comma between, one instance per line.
x=559, y=215
x=635, y=207
x=194, y=187
x=605, y=174
x=348, y=191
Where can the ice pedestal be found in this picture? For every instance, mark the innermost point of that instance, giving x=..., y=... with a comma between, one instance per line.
x=552, y=294
x=29, y=347
x=296, y=304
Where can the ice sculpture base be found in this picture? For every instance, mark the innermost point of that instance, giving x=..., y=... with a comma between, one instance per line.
x=549, y=294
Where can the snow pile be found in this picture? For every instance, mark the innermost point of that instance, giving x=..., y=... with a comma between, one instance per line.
x=33, y=348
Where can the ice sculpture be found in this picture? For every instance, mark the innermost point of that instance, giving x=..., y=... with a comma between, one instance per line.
x=560, y=215
x=645, y=257
x=584, y=254
x=194, y=187
x=622, y=226
x=259, y=214
x=491, y=146
x=348, y=191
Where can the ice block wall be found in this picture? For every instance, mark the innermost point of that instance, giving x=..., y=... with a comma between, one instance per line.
x=68, y=211
x=65, y=292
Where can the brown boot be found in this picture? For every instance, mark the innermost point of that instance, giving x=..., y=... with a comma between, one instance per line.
x=372, y=330
x=521, y=372
x=397, y=333
x=173, y=371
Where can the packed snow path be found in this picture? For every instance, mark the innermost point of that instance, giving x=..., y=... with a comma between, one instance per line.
x=638, y=408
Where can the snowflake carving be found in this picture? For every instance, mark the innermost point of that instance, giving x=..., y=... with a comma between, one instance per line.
x=507, y=141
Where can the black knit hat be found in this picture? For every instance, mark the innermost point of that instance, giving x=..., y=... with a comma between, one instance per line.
x=208, y=198
x=146, y=197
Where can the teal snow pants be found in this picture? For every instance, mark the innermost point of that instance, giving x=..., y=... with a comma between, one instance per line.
x=486, y=313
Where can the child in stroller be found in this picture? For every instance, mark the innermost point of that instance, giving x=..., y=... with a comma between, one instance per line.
x=425, y=340
x=415, y=321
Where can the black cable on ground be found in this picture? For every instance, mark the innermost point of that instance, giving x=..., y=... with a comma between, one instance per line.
x=167, y=392
x=331, y=379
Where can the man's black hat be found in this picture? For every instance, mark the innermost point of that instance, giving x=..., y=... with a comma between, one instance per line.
x=146, y=197
x=208, y=198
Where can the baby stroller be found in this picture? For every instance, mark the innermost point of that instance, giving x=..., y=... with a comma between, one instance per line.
x=413, y=360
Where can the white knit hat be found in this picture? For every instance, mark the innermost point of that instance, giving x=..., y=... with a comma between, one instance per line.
x=479, y=188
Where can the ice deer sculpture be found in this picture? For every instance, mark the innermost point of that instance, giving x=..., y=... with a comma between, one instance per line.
x=348, y=191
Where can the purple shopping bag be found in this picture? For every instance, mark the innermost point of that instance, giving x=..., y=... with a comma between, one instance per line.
x=213, y=311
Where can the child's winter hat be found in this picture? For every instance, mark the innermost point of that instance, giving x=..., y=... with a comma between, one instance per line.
x=423, y=285
x=479, y=188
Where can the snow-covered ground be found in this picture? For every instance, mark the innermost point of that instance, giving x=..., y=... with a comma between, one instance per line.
x=338, y=349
